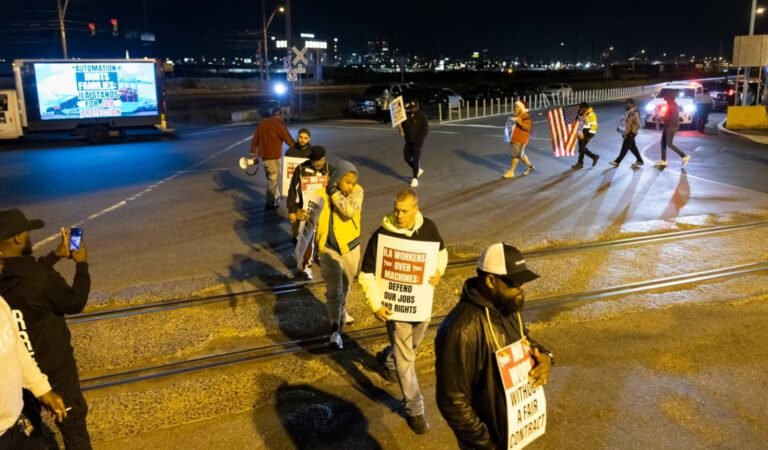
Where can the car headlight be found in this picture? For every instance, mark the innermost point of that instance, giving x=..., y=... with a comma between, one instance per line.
x=649, y=107
x=689, y=109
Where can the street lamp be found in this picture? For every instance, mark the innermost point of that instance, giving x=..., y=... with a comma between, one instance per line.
x=266, y=24
x=641, y=52
x=62, y=12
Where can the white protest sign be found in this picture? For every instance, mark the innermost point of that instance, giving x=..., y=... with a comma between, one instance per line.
x=313, y=183
x=289, y=164
x=526, y=405
x=403, y=269
x=313, y=204
x=397, y=111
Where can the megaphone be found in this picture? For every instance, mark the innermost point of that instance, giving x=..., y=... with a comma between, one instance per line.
x=247, y=163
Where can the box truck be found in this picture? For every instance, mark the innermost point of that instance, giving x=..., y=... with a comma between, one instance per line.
x=95, y=98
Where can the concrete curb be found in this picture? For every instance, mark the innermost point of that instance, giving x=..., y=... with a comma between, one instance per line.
x=753, y=138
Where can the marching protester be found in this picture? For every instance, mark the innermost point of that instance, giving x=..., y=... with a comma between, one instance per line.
x=40, y=298
x=310, y=175
x=338, y=242
x=671, y=126
x=267, y=144
x=470, y=392
x=399, y=358
x=631, y=127
x=19, y=371
x=302, y=147
x=414, y=130
x=588, y=131
x=520, y=135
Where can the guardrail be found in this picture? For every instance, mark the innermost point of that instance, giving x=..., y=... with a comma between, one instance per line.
x=502, y=106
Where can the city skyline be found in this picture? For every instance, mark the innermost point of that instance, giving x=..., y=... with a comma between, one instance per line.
x=450, y=28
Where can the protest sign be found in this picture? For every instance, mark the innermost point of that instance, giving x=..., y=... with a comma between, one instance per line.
x=289, y=164
x=313, y=183
x=526, y=405
x=397, y=111
x=313, y=203
x=403, y=269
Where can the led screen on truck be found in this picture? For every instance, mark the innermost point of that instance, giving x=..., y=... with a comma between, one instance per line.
x=85, y=90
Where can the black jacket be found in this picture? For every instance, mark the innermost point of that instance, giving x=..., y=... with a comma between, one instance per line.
x=43, y=297
x=470, y=394
x=295, y=199
x=415, y=128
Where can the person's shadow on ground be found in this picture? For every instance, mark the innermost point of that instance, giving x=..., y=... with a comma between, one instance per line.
x=315, y=419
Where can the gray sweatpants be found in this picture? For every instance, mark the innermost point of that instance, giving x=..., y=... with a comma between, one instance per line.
x=338, y=272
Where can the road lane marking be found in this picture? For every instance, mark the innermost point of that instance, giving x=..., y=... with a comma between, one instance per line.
x=122, y=203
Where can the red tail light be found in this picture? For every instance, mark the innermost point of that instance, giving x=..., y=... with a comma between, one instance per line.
x=730, y=91
x=663, y=110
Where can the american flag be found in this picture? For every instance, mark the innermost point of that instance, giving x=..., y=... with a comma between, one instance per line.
x=563, y=127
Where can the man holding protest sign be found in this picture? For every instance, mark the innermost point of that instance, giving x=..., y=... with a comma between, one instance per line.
x=310, y=176
x=489, y=372
x=398, y=288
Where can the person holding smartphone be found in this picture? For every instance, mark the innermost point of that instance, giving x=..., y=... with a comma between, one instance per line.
x=40, y=299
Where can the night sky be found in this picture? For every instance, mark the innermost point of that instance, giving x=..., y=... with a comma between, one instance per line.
x=451, y=28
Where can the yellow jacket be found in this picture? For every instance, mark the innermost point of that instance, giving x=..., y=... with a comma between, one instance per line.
x=590, y=121
x=345, y=214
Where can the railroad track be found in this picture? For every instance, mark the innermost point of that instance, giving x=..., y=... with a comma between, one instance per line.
x=292, y=287
x=371, y=334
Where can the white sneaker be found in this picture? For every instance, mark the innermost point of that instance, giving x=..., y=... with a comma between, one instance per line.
x=509, y=174
x=414, y=182
x=308, y=272
x=421, y=172
x=529, y=170
x=660, y=163
x=336, y=340
x=348, y=320
x=686, y=158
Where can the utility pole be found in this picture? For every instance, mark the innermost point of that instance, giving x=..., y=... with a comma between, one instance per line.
x=745, y=95
x=62, y=12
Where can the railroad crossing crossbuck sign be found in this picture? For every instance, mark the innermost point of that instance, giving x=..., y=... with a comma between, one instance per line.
x=299, y=58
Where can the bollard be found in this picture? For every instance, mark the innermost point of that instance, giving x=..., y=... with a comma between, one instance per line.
x=506, y=110
x=476, y=113
x=440, y=111
x=467, y=111
x=483, y=107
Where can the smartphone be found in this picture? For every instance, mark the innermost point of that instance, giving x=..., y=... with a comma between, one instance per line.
x=75, y=239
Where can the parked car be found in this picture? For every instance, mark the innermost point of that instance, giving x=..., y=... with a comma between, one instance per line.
x=557, y=89
x=486, y=91
x=723, y=93
x=372, y=102
x=684, y=92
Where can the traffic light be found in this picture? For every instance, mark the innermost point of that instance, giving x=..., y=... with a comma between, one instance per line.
x=92, y=27
x=114, y=26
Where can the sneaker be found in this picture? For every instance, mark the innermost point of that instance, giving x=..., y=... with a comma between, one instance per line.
x=529, y=170
x=348, y=320
x=686, y=158
x=614, y=163
x=661, y=163
x=577, y=166
x=307, y=272
x=594, y=160
x=414, y=182
x=418, y=424
x=637, y=164
x=421, y=172
x=509, y=174
x=336, y=340
x=388, y=374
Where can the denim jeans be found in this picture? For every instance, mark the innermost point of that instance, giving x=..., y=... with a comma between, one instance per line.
x=404, y=337
x=338, y=272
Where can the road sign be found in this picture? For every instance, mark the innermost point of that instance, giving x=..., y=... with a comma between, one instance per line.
x=287, y=62
x=300, y=59
x=292, y=75
x=300, y=69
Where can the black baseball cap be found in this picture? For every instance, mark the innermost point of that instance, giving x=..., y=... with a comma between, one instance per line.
x=13, y=222
x=316, y=153
x=507, y=263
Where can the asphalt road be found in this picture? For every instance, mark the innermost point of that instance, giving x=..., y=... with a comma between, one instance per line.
x=165, y=217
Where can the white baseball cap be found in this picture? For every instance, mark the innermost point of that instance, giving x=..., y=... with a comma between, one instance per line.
x=507, y=262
